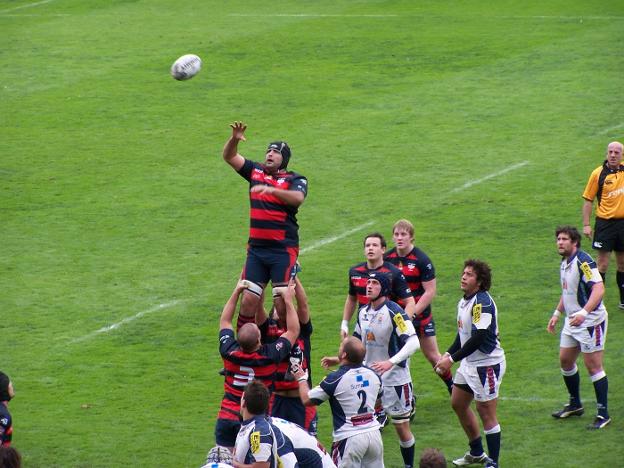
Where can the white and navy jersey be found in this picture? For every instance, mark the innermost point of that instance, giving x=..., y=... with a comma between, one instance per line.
x=478, y=312
x=217, y=465
x=259, y=441
x=352, y=392
x=308, y=450
x=579, y=273
x=384, y=332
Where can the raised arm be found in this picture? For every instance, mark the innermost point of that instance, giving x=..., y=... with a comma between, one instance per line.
x=292, y=321
x=303, y=310
x=230, y=306
x=230, y=150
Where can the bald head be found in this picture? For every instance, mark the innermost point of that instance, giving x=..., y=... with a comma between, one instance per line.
x=614, y=154
x=353, y=351
x=249, y=337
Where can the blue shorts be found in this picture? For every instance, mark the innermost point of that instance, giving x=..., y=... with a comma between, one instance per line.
x=226, y=431
x=289, y=408
x=268, y=264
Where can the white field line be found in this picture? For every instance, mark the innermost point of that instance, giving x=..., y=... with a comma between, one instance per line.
x=610, y=129
x=517, y=17
x=28, y=5
x=491, y=176
x=329, y=240
x=114, y=326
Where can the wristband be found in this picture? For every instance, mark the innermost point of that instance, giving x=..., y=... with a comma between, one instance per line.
x=582, y=312
x=451, y=359
x=302, y=379
x=557, y=313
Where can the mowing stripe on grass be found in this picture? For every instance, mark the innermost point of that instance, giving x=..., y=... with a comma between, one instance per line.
x=114, y=326
x=610, y=129
x=329, y=240
x=28, y=5
x=487, y=177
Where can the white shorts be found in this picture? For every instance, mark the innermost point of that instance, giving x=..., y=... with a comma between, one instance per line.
x=397, y=399
x=590, y=339
x=484, y=381
x=359, y=451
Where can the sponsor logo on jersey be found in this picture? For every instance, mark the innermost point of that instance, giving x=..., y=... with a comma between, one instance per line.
x=476, y=313
x=254, y=441
x=361, y=382
x=370, y=336
x=597, y=245
x=400, y=323
x=587, y=271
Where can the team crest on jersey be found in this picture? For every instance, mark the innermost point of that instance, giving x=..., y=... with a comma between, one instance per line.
x=254, y=441
x=476, y=313
x=370, y=336
x=411, y=266
x=587, y=272
x=279, y=345
x=400, y=323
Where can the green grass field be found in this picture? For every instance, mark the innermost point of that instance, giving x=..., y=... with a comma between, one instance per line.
x=123, y=231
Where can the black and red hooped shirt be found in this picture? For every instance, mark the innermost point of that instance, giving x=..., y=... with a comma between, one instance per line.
x=273, y=223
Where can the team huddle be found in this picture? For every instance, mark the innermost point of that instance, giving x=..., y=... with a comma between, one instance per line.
x=268, y=413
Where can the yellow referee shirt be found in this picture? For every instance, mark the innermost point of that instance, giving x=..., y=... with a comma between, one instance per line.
x=611, y=202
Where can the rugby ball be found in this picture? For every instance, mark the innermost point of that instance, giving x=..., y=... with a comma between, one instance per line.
x=186, y=67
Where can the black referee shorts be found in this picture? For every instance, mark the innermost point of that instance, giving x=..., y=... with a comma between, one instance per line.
x=609, y=235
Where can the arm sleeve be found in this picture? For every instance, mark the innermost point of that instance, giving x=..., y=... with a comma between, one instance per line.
x=245, y=171
x=299, y=184
x=470, y=346
x=455, y=346
x=410, y=347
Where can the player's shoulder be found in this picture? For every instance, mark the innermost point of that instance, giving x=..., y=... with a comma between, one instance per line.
x=393, y=307
x=484, y=298
x=420, y=254
x=389, y=267
x=360, y=268
x=392, y=253
x=583, y=257
x=291, y=175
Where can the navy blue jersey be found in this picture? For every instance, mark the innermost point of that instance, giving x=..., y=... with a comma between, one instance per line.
x=6, y=426
x=273, y=223
x=358, y=276
x=260, y=441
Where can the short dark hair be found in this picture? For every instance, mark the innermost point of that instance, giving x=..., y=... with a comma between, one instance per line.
x=256, y=396
x=10, y=457
x=483, y=272
x=575, y=235
x=379, y=235
x=432, y=458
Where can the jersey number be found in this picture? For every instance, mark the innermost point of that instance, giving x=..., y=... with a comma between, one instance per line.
x=246, y=375
x=362, y=395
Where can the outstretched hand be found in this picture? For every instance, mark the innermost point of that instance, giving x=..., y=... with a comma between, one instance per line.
x=238, y=131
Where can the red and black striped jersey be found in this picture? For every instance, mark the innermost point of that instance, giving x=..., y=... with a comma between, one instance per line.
x=273, y=223
x=6, y=426
x=300, y=353
x=241, y=368
x=416, y=268
x=358, y=276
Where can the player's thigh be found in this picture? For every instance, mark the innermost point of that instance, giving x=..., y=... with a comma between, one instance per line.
x=429, y=347
x=590, y=339
x=484, y=381
x=619, y=239
x=593, y=361
x=256, y=269
x=282, y=264
x=397, y=399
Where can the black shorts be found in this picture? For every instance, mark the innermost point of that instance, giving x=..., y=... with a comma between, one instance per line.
x=268, y=264
x=609, y=235
x=289, y=408
x=226, y=431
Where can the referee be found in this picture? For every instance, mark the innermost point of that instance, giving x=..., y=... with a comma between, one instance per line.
x=606, y=185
